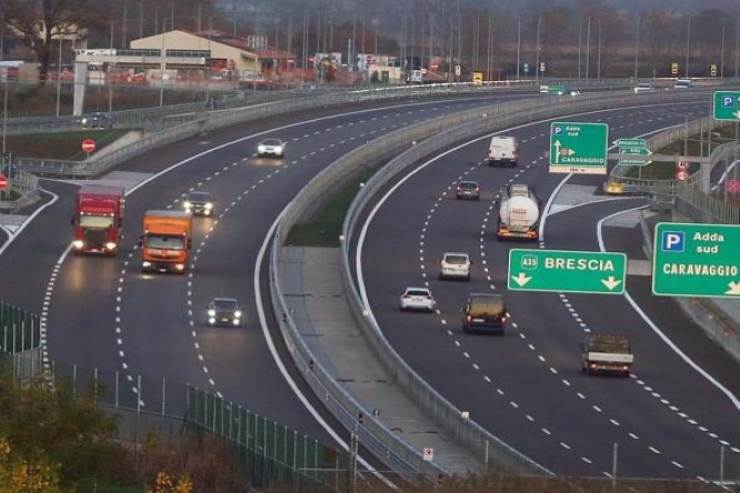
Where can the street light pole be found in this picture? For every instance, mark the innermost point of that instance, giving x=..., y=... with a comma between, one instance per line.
x=59, y=78
x=162, y=63
x=688, y=46
x=518, y=47
x=537, y=67
x=637, y=47
x=722, y=52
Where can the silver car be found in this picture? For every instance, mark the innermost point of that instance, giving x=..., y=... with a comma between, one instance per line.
x=271, y=147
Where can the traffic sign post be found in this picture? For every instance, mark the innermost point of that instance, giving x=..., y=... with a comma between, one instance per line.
x=633, y=147
x=88, y=145
x=726, y=106
x=713, y=70
x=577, y=147
x=697, y=260
x=3, y=182
x=567, y=271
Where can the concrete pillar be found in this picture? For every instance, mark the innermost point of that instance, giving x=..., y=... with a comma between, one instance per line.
x=80, y=84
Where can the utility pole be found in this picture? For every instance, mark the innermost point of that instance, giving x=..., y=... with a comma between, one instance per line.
x=110, y=81
x=489, y=54
x=588, y=48
x=141, y=19
x=688, y=46
x=162, y=64
x=637, y=46
x=123, y=24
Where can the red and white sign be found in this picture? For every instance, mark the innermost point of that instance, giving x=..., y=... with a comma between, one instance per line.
x=682, y=175
x=88, y=145
x=3, y=182
x=732, y=186
x=428, y=455
x=682, y=165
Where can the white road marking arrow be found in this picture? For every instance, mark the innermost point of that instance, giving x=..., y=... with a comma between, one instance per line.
x=521, y=279
x=557, y=145
x=734, y=286
x=737, y=114
x=611, y=283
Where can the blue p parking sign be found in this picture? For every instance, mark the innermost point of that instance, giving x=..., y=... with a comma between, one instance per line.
x=673, y=241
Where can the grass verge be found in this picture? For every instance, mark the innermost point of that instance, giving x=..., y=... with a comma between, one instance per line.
x=60, y=145
x=324, y=228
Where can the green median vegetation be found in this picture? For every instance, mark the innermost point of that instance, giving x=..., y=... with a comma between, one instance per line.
x=325, y=226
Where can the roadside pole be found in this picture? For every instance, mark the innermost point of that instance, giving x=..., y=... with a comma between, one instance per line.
x=615, y=453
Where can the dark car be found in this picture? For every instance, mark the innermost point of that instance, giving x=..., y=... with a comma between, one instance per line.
x=468, y=190
x=224, y=311
x=97, y=120
x=198, y=203
x=485, y=312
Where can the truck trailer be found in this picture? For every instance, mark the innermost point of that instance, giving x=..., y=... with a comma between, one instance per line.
x=519, y=213
x=607, y=353
x=98, y=219
x=166, y=241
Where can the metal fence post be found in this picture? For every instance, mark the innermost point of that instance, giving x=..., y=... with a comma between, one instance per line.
x=721, y=465
x=74, y=380
x=116, y=389
x=138, y=394
x=95, y=387
x=615, y=453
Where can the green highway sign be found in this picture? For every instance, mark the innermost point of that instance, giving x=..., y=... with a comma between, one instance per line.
x=633, y=147
x=577, y=147
x=694, y=259
x=727, y=105
x=567, y=271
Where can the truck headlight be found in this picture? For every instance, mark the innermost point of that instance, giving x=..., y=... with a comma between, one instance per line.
x=180, y=266
x=208, y=205
x=188, y=204
x=236, y=321
x=238, y=314
x=146, y=264
x=211, y=313
x=78, y=244
x=111, y=245
x=211, y=320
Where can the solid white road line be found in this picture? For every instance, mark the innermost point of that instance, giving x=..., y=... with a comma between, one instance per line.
x=14, y=235
x=733, y=399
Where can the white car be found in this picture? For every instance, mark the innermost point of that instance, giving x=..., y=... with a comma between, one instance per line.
x=271, y=147
x=455, y=265
x=417, y=299
x=642, y=87
x=682, y=84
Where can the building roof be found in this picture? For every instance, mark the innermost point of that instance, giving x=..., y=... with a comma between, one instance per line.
x=242, y=44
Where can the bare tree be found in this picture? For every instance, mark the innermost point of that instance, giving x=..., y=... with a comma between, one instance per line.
x=38, y=22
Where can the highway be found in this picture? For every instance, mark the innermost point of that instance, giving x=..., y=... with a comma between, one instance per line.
x=104, y=313
x=527, y=387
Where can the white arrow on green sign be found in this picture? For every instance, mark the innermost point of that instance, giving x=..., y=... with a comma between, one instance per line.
x=633, y=147
x=567, y=271
x=578, y=147
x=695, y=259
x=726, y=105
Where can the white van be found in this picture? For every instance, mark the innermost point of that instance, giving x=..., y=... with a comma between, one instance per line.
x=503, y=150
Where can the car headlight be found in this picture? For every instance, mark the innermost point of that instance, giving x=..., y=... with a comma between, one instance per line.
x=238, y=314
x=111, y=245
x=84, y=121
x=211, y=313
x=279, y=149
x=211, y=320
x=236, y=321
x=260, y=148
x=78, y=244
x=188, y=204
x=208, y=205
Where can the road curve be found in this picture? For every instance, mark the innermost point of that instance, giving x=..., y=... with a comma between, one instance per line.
x=526, y=387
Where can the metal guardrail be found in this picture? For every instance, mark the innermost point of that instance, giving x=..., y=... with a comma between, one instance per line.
x=474, y=122
x=27, y=185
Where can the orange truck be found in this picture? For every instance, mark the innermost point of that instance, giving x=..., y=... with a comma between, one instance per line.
x=166, y=241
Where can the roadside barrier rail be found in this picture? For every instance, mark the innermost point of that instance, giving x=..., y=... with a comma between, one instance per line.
x=445, y=131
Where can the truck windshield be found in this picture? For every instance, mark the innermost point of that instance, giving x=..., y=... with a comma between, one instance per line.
x=96, y=222
x=165, y=242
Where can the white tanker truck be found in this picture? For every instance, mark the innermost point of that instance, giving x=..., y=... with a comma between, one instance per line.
x=519, y=213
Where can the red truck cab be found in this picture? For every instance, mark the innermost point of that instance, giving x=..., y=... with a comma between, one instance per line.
x=98, y=219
